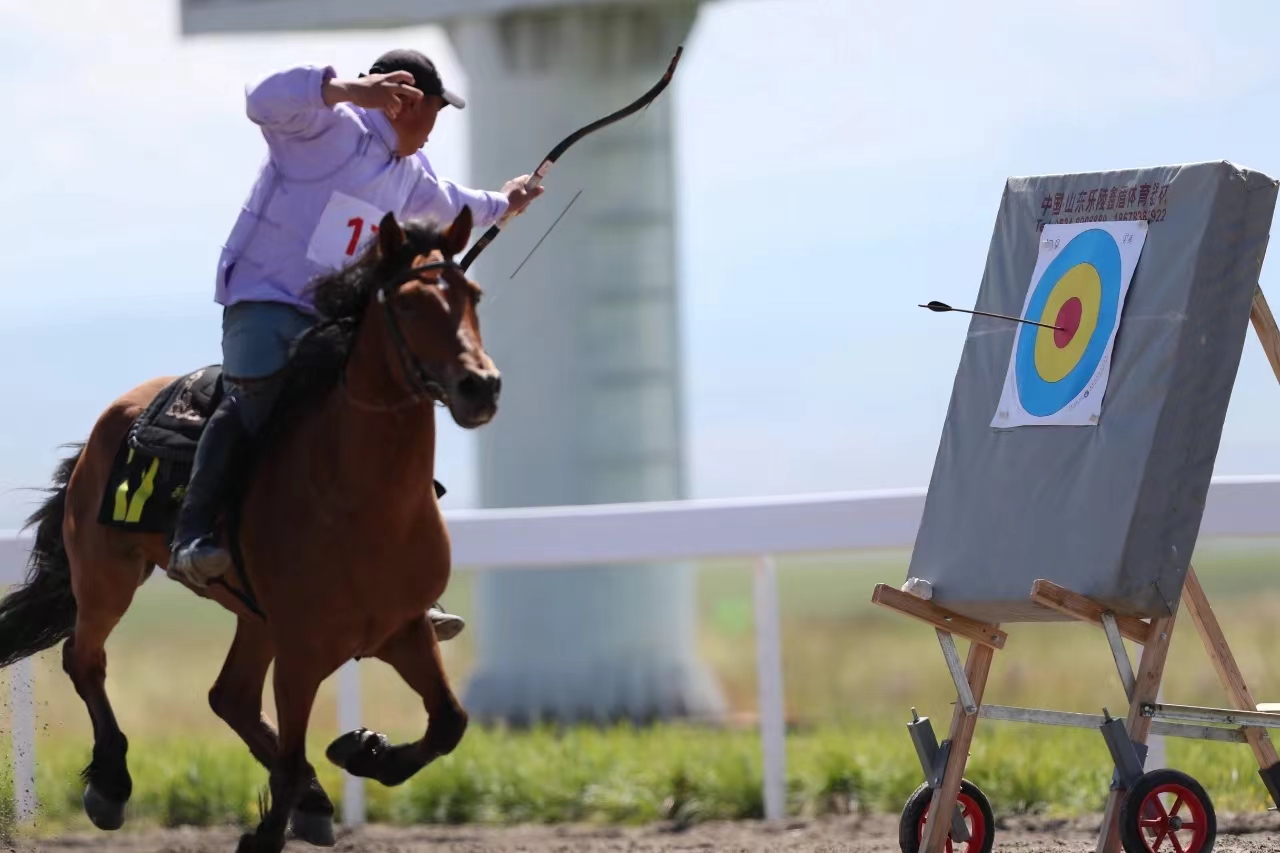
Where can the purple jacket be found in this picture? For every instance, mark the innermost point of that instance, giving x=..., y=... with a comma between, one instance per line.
x=330, y=175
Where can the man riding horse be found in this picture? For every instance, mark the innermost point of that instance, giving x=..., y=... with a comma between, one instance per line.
x=342, y=153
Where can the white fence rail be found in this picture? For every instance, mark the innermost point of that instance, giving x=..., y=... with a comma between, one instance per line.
x=626, y=533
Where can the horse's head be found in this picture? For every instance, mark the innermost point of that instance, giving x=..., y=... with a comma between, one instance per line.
x=429, y=306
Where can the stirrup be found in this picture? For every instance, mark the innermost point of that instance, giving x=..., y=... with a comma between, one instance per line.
x=447, y=625
x=197, y=562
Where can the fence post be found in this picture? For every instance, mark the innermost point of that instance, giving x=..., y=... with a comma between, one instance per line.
x=773, y=733
x=22, y=702
x=349, y=713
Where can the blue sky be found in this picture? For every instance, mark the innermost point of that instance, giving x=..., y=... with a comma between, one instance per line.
x=840, y=163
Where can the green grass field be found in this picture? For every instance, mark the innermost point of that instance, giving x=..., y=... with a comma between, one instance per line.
x=852, y=673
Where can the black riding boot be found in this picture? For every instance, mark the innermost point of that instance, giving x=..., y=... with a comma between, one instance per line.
x=195, y=558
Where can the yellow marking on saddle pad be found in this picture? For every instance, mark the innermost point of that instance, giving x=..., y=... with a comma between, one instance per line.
x=122, y=494
x=131, y=512
x=140, y=498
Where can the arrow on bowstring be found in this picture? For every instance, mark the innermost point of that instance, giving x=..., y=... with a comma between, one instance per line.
x=941, y=307
x=551, y=158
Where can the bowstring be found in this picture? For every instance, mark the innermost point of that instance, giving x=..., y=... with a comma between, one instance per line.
x=634, y=119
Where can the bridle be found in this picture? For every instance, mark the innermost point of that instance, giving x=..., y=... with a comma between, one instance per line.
x=422, y=383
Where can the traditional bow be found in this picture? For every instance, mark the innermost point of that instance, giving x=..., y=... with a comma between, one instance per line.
x=548, y=161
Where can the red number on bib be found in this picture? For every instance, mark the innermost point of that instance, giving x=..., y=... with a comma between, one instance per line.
x=356, y=225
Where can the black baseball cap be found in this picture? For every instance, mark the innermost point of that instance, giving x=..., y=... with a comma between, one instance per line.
x=425, y=77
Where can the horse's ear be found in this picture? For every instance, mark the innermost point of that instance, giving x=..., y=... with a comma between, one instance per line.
x=459, y=233
x=390, y=235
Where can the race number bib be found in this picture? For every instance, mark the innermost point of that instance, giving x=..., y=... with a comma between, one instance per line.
x=345, y=228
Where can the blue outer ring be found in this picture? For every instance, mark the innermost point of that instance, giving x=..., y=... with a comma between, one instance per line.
x=1038, y=396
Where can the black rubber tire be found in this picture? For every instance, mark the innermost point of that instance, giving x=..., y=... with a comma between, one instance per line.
x=1131, y=837
x=918, y=806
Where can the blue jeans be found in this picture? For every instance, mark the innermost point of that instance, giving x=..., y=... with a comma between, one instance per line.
x=256, y=337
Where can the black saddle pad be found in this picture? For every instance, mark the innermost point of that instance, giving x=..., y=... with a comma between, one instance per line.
x=151, y=467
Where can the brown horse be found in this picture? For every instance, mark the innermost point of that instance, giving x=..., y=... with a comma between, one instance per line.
x=336, y=521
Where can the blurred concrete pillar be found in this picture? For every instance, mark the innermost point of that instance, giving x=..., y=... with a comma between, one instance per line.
x=587, y=337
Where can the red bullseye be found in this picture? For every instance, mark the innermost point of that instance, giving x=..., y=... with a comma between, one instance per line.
x=1068, y=322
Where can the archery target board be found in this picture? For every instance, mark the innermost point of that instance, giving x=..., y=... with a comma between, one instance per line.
x=1058, y=369
x=1096, y=476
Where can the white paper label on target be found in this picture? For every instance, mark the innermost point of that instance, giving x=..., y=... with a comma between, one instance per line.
x=1058, y=369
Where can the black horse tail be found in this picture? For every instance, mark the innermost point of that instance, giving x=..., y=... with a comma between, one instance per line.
x=42, y=611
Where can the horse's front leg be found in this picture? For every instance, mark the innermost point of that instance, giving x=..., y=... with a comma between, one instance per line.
x=236, y=697
x=297, y=678
x=415, y=654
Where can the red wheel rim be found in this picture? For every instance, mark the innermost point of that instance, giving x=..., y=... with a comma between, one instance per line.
x=973, y=819
x=1172, y=818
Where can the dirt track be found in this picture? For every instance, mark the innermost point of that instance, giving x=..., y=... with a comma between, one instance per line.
x=1255, y=832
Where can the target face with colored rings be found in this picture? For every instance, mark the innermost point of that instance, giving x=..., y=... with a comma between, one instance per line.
x=1058, y=371
x=1080, y=294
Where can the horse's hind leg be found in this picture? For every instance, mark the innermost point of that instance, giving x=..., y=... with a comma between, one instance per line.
x=236, y=697
x=415, y=654
x=104, y=588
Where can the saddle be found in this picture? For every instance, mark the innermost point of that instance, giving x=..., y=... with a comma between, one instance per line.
x=153, y=463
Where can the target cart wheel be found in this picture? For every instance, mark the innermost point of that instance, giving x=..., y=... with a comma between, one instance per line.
x=977, y=816
x=1167, y=810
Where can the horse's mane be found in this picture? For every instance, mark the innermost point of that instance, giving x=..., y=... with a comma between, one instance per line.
x=319, y=356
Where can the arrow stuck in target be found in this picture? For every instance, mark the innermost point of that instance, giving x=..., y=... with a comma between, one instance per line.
x=942, y=307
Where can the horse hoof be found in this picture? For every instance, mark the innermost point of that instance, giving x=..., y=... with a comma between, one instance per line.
x=105, y=813
x=248, y=843
x=345, y=746
x=314, y=828
x=358, y=751
x=251, y=843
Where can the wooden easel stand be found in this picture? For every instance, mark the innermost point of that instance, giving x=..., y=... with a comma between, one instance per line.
x=1145, y=716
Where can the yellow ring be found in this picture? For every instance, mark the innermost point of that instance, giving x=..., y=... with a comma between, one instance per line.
x=1083, y=283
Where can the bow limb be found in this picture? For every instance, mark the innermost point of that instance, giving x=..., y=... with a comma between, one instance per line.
x=535, y=179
